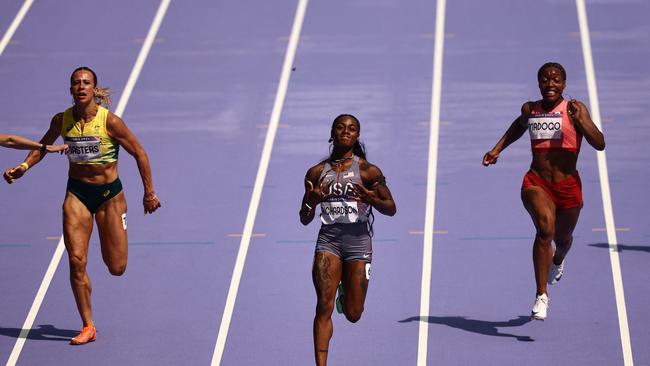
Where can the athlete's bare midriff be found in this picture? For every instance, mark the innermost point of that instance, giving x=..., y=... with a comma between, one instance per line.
x=94, y=173
x=554, y=165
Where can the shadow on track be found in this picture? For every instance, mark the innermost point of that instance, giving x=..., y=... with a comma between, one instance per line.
x=624, y=247
x=476, y=326
x=45, y=332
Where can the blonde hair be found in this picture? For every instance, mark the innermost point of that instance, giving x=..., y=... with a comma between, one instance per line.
x=103, y=96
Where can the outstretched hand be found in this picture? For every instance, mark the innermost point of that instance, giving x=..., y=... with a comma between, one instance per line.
x=490, y=157
x=57, y=148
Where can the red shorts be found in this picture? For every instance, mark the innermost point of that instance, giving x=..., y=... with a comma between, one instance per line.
x=565, y=194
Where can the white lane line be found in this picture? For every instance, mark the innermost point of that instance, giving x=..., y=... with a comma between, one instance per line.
x=14, y=25
x=259, y=183
x=142, y=57
x=36, y=305
x=58, y=253
x=604, y=187
x=425, y=291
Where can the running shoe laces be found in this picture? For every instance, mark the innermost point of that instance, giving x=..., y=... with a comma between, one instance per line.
x=87, y=334
x=540, y=308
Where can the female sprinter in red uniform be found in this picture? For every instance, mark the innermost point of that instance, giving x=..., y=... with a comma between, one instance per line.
x=347, y=187
x=551, y=190
x=94, y=136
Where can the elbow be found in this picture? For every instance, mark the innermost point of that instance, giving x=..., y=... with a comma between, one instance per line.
x=304, y=220
x=391, y=211
x=140, y=154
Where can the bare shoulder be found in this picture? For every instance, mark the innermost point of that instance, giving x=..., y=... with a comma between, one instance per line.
x=57, y=119
x=315, y=171
x=527, y=107
x=366, y=166
x=113, y=119
x=369, y=172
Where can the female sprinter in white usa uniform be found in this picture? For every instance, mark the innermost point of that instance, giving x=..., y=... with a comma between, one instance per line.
x=94, y=136
x=347, y=187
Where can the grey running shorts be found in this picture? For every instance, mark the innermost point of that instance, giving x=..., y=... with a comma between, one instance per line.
x=347, y=241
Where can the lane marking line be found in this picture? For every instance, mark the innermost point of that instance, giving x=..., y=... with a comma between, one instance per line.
x=604, y=187
x=425, y=291
x=239, y=235
x=597, y=229
x=142, y=57
x=14, y=25
x=58, y=253
x=259, y=183
x=36, y=305
x=420, y=232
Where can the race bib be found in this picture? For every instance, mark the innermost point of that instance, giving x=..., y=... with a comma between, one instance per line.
x=546, y=126
x=83, y=148
x=339, y=212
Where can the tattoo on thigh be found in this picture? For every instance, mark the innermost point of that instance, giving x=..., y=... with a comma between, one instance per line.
x=322, y=274
x=323, y=350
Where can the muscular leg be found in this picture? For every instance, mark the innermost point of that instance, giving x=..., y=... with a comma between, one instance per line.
x=355, y=285
x=326, y=274
x=565, y=222
x=77, y=227
x=112, y=235
x=542, y=210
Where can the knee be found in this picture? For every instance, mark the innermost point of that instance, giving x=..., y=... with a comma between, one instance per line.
x=564, y=241
x=353, y=315
x=545, y=229
x=77, y=263
x=117, y=269
x=324, y=308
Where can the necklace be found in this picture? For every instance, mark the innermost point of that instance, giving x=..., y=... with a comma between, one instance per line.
x=340, y=161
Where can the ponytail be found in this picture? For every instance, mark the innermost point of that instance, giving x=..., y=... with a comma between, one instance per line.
x=103, y=96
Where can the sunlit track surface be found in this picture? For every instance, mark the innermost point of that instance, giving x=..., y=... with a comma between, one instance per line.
x=201, y=107
x=619, y=46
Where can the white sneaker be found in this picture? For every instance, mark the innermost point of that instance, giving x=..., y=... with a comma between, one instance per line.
x=540, y=307
x=555, y=273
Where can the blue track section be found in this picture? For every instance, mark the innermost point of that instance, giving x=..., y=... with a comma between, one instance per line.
x=620, y=45
x=201, y=108
x=483, y=285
